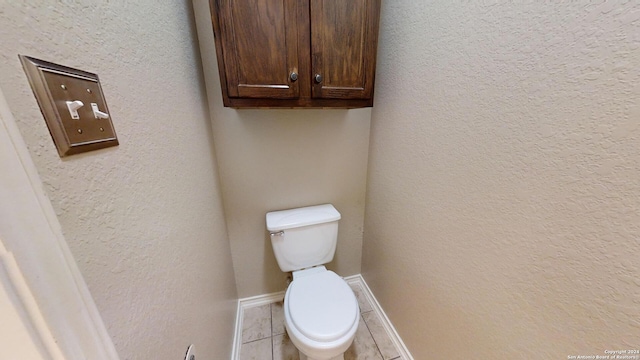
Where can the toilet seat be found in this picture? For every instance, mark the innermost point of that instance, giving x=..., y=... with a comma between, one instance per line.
x=322, y=307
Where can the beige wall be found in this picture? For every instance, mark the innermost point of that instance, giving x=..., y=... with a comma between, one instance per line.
x=277, y=159
x=144, y=220
x=502, y=216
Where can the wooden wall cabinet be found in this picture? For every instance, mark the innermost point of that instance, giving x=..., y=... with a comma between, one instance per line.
x=296, y=53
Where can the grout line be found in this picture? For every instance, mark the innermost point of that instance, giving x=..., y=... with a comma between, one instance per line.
x=252, y=341
x=372, y=337
x=271, y=330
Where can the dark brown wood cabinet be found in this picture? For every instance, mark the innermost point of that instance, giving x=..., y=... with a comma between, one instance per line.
x=296, y=53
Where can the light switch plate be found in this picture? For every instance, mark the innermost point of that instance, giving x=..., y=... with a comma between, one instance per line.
x=53, y=86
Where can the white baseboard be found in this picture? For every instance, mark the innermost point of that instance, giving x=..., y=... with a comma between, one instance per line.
x=260, y=300
x=246, y=303
x=386, y=323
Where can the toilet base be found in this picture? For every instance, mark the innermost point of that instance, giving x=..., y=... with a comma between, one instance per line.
x=305, y=357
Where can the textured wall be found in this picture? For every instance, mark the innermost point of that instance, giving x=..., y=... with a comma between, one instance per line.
x=503, y=201
x=273, y=159
x=143, y=220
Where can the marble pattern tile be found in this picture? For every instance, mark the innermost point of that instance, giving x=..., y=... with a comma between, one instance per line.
x=379, y=334
x=363, y=303
x=264, y=335
x=363, y=347
x=256, y=324
x=256, y=350
x=283, y=348
x=277, y=318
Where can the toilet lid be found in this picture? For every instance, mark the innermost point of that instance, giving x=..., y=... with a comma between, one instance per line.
x=322, y=306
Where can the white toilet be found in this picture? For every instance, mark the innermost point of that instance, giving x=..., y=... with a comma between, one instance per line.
x=320, y=310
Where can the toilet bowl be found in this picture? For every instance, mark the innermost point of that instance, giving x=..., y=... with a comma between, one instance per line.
x=321, y=314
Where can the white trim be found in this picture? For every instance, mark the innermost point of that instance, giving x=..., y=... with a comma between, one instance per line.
x=386, y=323
x=246, y=303
x=31, y=232
x=237, y=334
x=16, y=282
x=260, y=300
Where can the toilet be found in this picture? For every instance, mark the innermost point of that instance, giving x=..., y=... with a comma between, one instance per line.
x=320, y=310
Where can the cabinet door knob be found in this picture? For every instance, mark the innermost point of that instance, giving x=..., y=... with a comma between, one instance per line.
x=293, y=76
x=318, y=78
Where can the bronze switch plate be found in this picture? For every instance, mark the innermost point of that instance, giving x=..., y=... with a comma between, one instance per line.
x=73, y=106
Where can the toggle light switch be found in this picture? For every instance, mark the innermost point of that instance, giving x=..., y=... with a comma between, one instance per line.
x=97, y=113
x=62, y=93
x=73, y=107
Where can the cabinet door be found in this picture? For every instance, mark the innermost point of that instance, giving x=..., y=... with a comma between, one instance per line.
x=260, y=47
x=344, y=37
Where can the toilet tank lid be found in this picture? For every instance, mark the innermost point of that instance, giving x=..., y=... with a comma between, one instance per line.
x=305, y=216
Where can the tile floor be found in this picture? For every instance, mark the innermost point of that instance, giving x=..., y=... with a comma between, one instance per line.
x=264, y=336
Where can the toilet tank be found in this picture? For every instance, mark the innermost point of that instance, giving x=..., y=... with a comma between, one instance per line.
x=303, y=237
